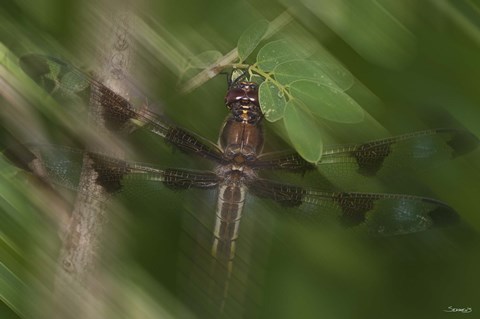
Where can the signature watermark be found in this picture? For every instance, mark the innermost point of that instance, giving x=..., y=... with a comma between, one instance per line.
x=460, y=310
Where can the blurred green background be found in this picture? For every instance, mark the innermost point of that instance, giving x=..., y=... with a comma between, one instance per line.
x=417, y=66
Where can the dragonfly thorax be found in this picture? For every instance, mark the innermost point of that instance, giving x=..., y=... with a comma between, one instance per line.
x=242, y=101
x=240, y=142
x=232, y=173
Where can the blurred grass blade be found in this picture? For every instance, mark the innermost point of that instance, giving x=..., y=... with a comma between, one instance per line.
x=375, y=29
x=12, y=289
x=204, y=59
x=250, y=38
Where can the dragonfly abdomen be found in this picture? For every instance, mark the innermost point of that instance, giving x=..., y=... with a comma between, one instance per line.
x=231, y=199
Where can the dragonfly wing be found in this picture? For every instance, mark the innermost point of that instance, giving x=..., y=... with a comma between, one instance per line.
x=382, y=214
x=66, y=82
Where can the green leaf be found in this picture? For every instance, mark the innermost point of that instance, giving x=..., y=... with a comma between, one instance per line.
x=333, y=68
x=335, y=77
x=303, y=131
x=204, y=59
x=257, y=78
x=342, y=78
x=250, y=38
x=295, y=70
x=277, y=52
x=272, y=101
x=327, y=102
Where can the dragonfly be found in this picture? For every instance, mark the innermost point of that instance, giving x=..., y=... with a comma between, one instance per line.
x=239, y=165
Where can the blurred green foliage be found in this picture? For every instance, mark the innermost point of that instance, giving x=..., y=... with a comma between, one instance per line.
x=416, y=66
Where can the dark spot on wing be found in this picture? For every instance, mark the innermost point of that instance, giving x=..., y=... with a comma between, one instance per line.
x=354, y=209
x=189, y=144
x=110, y=173
x=293, y=163
x=20, y=156
x=286, y=195
x=173, y=181
x=177, y=179
x=49, y=73
x=37, y=68
x=442, y=215
x=370, y=157
x=463, y=142
x=117, y=111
